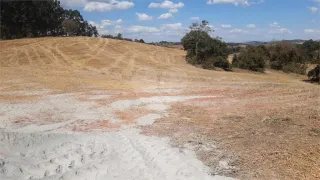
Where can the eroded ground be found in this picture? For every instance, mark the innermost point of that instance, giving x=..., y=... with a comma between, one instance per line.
x=75, y=108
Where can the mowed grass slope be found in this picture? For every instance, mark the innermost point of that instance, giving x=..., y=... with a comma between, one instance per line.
x=81, y=62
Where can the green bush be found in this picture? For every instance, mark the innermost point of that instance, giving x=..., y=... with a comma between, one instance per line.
x=287, y=57
x=294, y=68
x=222, y=63
x=219, y=62
x=191, y=58
x=249, y=59
x=209, y=64
x=314, y=74
x=235, y=59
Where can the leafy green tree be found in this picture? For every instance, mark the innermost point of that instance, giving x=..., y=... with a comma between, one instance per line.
x=201, y=48
x=39, y=18
x=30, y=18
x=310, y=48
x=69, y=26
x=119, y=36
x=141, y=41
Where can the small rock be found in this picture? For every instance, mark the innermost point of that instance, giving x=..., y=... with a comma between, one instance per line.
x=2, y=163
x=83, y=158
x=59, y=169
x=52, y=160
x=46, y=173
x=72, y=164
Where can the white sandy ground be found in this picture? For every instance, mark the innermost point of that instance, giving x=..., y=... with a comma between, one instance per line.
x=52, y=151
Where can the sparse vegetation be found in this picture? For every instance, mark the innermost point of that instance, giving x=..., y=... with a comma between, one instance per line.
x=119, y=36
x=314, y=132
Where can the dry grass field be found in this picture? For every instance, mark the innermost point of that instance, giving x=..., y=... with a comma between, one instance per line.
x=239, y=124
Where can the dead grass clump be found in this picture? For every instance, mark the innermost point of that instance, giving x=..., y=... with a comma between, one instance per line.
x=234, y=118
x=314, y=132
x=276, y=121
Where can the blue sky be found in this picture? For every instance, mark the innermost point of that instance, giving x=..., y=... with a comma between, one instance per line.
x=233, y=20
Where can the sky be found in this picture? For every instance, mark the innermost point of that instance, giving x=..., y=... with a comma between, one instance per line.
x=232, y=20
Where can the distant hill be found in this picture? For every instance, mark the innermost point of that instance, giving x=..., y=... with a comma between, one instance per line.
x=255, y=43
x=294, y=41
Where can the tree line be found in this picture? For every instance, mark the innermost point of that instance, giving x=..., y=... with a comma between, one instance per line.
x=210, y=52
x=119, y=37
x=21, y=19
x=287, y=57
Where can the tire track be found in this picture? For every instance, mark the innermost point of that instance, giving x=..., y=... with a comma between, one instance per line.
x=115, y=65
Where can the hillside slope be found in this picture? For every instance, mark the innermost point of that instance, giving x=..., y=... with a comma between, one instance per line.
x=67, y=63
x=79, y=108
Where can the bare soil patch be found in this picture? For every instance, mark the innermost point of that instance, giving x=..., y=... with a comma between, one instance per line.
x=272, y=139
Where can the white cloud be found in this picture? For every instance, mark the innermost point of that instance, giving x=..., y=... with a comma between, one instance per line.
x=251, y=26
x=212, y=27
x=274, y=24
x=165, y=16
x=107, y=22
x=105, y=25
x=143, y=17
x=166, y=5
x=313, y=9
x=174, y=26
x=103, y=31
x=236, y=30
x=312, y=30
x=175, y=10
x=73, y=3
x=119, y=21
x=139, y=29
x=225, y=25
x=195, y=18
x=107, y=6
x=93, y=23
x=280, y=31
x=285, y=30
x=235, y=2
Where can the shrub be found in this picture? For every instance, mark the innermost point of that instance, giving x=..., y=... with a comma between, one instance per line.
x=222, y=63
x=141, y=41
x=209, y=64
x=235, y=59
x=286, y=57
x=294, y=68
x=191, y=58
x=314, y=74
x=249, y=59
